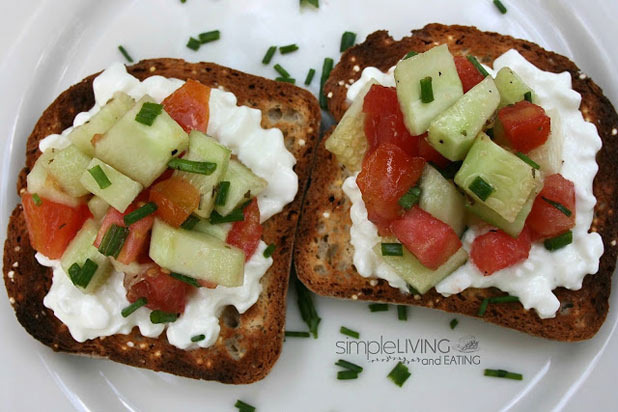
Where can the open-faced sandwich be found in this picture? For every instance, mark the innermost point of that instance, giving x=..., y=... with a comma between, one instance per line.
x=159, y=206
x=464, y=187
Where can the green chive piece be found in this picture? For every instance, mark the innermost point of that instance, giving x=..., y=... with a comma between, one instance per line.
x=392, y=249
x=349, y=366
x=296, y=334
x=495, y=299
x=483, y=307
x=399, y=374
x=209, y=36
x=138, y=214
x=235, y=215
x=501, y=373
x=347, y=375
x=327, y=66
x=125, y=54
x=347, y=40
x=426, y=90
x=402, y=312
x=85, y=274
x=558, y=206
x=187, y=279
x=481, y=188
x=411, y=53
x=281, y=70
x=528, y=96
x=478, y=65
x=378, y=307
x=412, y=290
x=288, y=49
x=133, y=307
x=454, y=323
x=158, y=316
x=198, y=338
x=286, y=79
x=190, y=166
x=148, y=113
x=190, y=222
x=100, y=177
x=500, y=6
x=222, y=191
x=268, y=252
x=410, y=198
x=244, y=407
x=36, y=199
x=183, y=1
x=349, y=332
x=269, y=54
x=559, y=241
x=74, y=271
x=314, y=3
x=193, y=43
x=309, y=77
x=529, y=161
x=113, y=240
x=307, y=309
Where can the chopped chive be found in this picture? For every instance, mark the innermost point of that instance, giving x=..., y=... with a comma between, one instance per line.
x=209, y=36
x=529, y=161
x=190, y=223
x=314, y=3
x=412, y=290
x=349, y=366
x=501, y=373
x=158, y=316
x=183, y=1
x=125, y=54
x=307, y=309
x=269, y=54
x=558, y=206
x=113, y=240
x=148, y=113
x=559, y=241
x=222, y=191
x=244, y=407
x=138, y=214
x=235, y=215
x=286, y=79
x=378, y=307
x=500, y=6
x=296, y=334
x=309, y=77
x=399, y=374
x=347, y=375
x=186, y=279
x=410, y=198
x=288, y=49
x=495, y=299
x=85, y=274
x=349, y=332
x=190, y=166
x=133, y=307
x=392, y=249
x=426, y=90
x=327, y=66
x=483, y=307
x=347, y=40
x=481, y=188
x=411, y=53
x=281, y=70
x=268, y=252
x=36, y=199
x=193, y=43
x=74, y=270
x=198, y=338
x=454, y=323
x=478, y=65
x=528, y=96
x=100, y=177
x=402, y=312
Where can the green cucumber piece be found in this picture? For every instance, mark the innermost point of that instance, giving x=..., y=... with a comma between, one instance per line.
x=453, y=131
x=197, y=255
x=101, y=122
x=438, y=64
x=139, y=151
x=204, y=148
x=512, y=88
x=119, y=194
x=415, y=273
x=41, y=182
x=441, y=199
x=219, y=231
x=67, y=168
x=98, y=207
x=82, y=248
x=511, y=178
x=244, y=184
x=549, y=154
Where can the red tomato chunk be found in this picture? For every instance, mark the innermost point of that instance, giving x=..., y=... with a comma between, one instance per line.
x=524, y=125
x=468, y=74
x=162, y=292
x=188, y=105
x=545, y=220
x=246, y=233
x=176, y=199
x=495, y=250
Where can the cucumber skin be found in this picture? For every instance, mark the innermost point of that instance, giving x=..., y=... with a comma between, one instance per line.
x=120, y=194
x=67, y=168
x=41, y=182
x=511, y=87
x=441, y=199
x=242, y=181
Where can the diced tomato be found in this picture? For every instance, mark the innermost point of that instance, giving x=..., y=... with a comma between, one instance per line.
x=51, y=225
x=162, y=292
x=246, y=234
x=495, y=250
x=523, y=125
x=427, y=152
x=545, y=220
x=188, y=105
x=431, y=240
x=387, y=174
x=381, y=100
x=468, y=74
x=176, y=199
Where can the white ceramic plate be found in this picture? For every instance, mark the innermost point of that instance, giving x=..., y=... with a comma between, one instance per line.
x=48, y=45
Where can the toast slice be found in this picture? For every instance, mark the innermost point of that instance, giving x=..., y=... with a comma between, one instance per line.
x=249, y=344
x=323, y=259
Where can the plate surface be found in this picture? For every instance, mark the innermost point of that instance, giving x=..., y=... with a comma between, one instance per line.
x=46, y=46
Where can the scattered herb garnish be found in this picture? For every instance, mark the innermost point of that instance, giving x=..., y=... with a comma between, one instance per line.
x=349, y=332
x=495, y=299
x=347, y=40
x=113, y=240
x=559, y=241
x=222, y=191
x=349, y=366
x=314, y=3
x=402, y=312
x=528, y=96
x=297, y=334
x=198, y=338
x=268, y=252
x=244, y=407
x=288, y=49
x=209, y=36
x=125, y=53
x=410, y=198
x=529, y=161
x=501, y=373
x=148, y=113
x=281, y=70
x=347, y=375
x=399, y=374
x=307, y=309
x=190, y=166
x=133, y=307
x=327, y=66
x=82, y=276
x=478, y=65
x=426, y=90
x=286, y=79
x=190, y=223
x=138, y=214
x=269, y=54
x=378, y=307
x=158, y=316
x=194, y=44
x=100, y=177
x=558, y=206
x=454, y=323
x=481, y=188
x=309, y=77
x=500, y=6
x=392, y=249
x=36, y=199
x=235, y=215
x=186, y=279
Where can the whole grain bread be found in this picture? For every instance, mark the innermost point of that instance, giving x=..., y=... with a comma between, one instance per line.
x=249, y=344
x=324, y=261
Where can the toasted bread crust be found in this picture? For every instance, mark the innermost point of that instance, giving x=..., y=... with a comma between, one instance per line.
x=250, y=343
x=324, y=263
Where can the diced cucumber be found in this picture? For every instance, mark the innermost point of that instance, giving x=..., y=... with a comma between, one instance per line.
x=244, y=184
x=415, y=274
x=39, y=181
x=512, y=88
x=438, y=64
x=101, y=122
x=441, y=199
x=82, y=248
x=452, y=132
x=139, y=151
x=219, y=231
x=510, y=178
x=119, y=194
x=348, y=141
x=67, y=168
x=98, y=207
x=549, y=155
x=197, y=255
x=204, y=148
